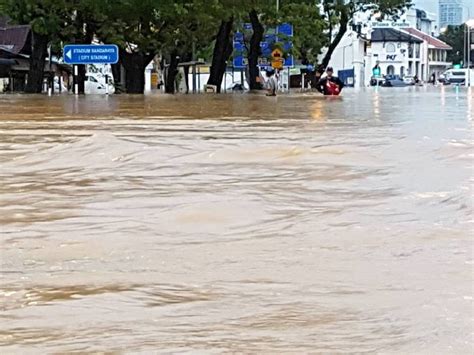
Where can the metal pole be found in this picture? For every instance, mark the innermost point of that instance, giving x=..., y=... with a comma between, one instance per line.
x=50, y=76
x=194, y=78
x=468, y=56
x=76, y=77
x=199, y=80
x=464, y=57
x=278, y=5
x=289, y=79
x=225, y=82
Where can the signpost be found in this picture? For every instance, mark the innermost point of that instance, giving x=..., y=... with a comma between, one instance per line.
x=82, y=54
x=277, y=59
x=91, y=54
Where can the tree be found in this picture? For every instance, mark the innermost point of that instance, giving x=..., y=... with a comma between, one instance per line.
x=47, y=19
x=307, y=21
x=454, y=36
x=85, y=19
x=136, y=26
x=339, y=13
x=187, y=35
x=317, y=24
x=227, y=12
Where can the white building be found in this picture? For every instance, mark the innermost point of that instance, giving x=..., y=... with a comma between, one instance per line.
x=403, y=47
x=434, y=54
x=396, y=52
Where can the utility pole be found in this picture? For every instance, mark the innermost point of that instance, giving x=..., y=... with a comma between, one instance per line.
x=278, y=5
x=468, y=55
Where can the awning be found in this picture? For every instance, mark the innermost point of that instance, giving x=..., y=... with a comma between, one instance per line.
x=7, y=62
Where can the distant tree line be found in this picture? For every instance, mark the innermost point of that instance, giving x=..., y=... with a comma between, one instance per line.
x=455, y=36
x=182, y=30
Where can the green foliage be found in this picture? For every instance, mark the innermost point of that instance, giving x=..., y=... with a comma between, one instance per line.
x=134, y=25
x=309, y=27
x=46, y=17
x=454, y=36
x=154, y=26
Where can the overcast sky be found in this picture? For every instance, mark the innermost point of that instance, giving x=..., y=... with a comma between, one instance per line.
x=432, y=6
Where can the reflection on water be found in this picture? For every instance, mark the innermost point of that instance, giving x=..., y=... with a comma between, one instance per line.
x=237, y=223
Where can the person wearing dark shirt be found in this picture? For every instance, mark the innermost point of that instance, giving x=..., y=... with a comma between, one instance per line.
x=330, y=84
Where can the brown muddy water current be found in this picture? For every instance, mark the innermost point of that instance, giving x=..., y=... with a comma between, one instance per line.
x=238, y=224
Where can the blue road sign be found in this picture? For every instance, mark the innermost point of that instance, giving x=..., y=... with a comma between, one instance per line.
x=240, y=62
x=266, y=49
x=282, y=33
x=91, y=54
x=239, y=47
x=286, y=29
x=238, y=37
x=289, y=62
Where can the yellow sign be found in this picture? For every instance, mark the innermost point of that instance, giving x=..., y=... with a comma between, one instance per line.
x=277, y=59
x=154, y=80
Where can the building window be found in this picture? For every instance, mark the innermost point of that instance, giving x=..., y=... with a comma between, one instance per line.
x=390, y=70
x=390, y=48
x=410, y=50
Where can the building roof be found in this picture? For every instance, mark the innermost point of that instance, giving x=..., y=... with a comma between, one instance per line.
x=432, y=41
x=393, y=35
x=15, y=39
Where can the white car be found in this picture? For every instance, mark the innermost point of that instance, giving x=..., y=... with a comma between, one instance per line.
x=97, y=85
x=456, y=76
x=409, y=80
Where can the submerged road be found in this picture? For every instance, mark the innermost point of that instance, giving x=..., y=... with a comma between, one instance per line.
x=238, y=223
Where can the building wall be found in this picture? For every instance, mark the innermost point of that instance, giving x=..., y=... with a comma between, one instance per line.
x=350, y=54
x=392, y=57
x=450, y=13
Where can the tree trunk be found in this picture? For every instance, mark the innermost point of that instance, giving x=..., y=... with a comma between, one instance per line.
x=172, y=72
x=222, y=51
x=117, y=74
x=254, y=51
x=81, y=79
x=39, y=48
x=134, y=65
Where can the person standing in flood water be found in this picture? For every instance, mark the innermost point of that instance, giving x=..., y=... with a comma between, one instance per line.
x=330, y=85
x=272, y=83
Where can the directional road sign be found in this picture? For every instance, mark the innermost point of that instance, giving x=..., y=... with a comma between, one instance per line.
x=91, y=54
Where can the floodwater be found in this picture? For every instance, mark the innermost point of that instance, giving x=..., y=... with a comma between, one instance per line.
x=238, y=224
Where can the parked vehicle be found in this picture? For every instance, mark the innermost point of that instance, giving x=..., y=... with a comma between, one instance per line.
x=96, y=85
x=394, y=81
x=409, y=80
x=377, y=81
x=442, y=80
x=457, y=76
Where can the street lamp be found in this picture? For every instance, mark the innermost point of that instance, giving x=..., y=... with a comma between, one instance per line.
x=469, y=25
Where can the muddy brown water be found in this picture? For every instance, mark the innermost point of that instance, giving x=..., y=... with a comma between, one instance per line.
x=237, y=224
